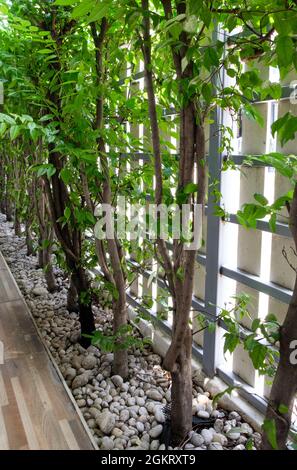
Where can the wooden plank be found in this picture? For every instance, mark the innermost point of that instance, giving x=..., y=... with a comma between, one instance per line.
x=1, y=353
x=15, y=331
x=84, y=441
x=8, y=289
x=36, y=410
x=68, y=434
x=4, y=444
x=12, y=419
x=25, y=414
x=3, y=264
x=3, y=395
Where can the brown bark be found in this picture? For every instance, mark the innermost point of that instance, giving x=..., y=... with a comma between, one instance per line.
x=8, y=208
x=181, y=392
x=2, y=185
x=17, y=223
x=68, y=234
x=192, y=148
x=86, y=317
x=40, y=254
x=115, y=274
x=72, y=303
x=284, y=388
x=47, y=263
x=31, y=189
x=29, y=240
x=46, y=236
x=120, y=358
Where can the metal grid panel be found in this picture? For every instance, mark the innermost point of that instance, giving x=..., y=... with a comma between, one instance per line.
x=220, y=272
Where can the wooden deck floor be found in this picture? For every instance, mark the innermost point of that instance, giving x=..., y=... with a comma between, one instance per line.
x=36, y=411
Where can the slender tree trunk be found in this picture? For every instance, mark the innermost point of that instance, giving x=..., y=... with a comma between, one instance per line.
x=181, y=392
x=2, y=187
x=17, y=223
x=284, y=388
x=48, y=269
x=86, y=317
x=29, y=239
x=117, y=275
x=31, y=214
x=8, y=209
x=72, y=298
x=178, y=360
x=120, y=360
x=2, y=205
x=40, y=252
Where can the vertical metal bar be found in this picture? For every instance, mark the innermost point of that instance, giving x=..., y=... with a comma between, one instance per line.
x=211, y=339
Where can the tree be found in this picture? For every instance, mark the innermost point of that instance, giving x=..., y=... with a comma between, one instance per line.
x=78, y=109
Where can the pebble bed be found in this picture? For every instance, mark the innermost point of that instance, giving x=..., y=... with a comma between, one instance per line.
x=120, y=414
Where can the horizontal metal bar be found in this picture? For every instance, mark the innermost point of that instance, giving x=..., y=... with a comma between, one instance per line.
x=240, y=160
x=245, y=390
x=254, y=282
x=163, y=324
x=197, y=304
x=137, y=156
x=201, y=259
x=229, y=377
x=136, y=77
x=286, y=93
x=281, y=229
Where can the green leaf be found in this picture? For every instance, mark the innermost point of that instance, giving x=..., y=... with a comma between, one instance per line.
x=250, y=213
x=255, y=324
x=184, y=63
x=3, y=128
x=249, y=444
x=112, y=289
x=286, y=127
x=253, y=113
x=4, y=9
x=15, y=132
x=207, y=92
x=99, y=12
x=212, y=327
x=65, y=175
x=180, y=274
x=231, y=341
x=46, y=117
x=45, y=51
x=283, y=409
x=258, y=355
x=272, y=222
x=261, y=199
x=220, y=395
x=6, y=118
x=269, y=428
x=190, y=188
x=191, y=24
x=67, y=213
x=83, y=8
x=211, y=58
x=65, y=2
x=46, y=169
x=284, y=50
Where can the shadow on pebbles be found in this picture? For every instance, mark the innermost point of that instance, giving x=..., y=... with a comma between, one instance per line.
x=120, y=414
